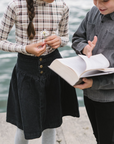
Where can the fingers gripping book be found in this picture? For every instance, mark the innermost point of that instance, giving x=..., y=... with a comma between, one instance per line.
x=73, y=69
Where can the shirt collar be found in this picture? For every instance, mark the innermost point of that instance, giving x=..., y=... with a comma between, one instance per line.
x=109, y=16
x=39, y=2
x=112, y=16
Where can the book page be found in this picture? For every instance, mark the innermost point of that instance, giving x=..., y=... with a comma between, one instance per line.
x=97, y=72
x=98, y=61
x=75, y=63
x=94, y=73
x=64, y=71
x=108, y=70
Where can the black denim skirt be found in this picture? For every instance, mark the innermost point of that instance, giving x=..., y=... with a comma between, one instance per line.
x=38, y=97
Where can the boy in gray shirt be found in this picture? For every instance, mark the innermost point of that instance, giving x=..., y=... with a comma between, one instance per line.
x=96, y=35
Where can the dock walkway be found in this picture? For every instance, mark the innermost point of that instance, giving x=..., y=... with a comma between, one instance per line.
x=72, y=131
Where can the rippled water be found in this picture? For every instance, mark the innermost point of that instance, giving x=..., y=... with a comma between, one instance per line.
x=78, y=9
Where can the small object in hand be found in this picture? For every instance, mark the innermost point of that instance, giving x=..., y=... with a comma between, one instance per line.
x=44, y=34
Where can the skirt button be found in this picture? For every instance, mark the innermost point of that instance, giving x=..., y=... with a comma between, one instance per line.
x=40, y=59
x=41, y=72
x=41, y=66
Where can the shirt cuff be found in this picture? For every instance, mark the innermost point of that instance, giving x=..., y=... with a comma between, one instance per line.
x=25, y=52
x=64, y=41
x=79, y=47
x=96, y=83
x=24, y=49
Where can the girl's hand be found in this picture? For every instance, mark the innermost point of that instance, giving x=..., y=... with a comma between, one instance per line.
x=87, y=84
x=54, y=41
x=37, y=49
x=89, y=48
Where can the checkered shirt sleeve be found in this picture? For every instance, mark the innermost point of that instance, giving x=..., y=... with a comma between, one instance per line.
x=6, y=24
x=64, y=26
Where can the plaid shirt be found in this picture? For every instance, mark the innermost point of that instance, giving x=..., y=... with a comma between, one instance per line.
x=52, y=17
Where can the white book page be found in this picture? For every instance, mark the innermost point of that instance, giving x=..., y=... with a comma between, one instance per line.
x=108, y=70
x=64, y=71
x=97, y=72
x=76, y=63
x=93, y=73
x=95, y=62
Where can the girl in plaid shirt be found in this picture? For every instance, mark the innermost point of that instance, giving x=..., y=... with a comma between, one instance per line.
x=38, y=98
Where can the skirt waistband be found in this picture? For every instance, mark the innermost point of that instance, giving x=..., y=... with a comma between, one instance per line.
x=48, y=56
x=36, y=66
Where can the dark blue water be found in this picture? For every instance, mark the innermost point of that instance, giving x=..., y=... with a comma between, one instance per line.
x=78, y=10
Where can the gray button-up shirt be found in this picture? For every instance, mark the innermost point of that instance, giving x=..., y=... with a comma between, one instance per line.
x=103, y=27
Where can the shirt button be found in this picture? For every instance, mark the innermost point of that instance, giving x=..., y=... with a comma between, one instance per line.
x=41, y=72
x=40, y=59
x=41, y=66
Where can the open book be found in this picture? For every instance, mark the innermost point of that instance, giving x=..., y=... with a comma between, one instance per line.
x=72, y=69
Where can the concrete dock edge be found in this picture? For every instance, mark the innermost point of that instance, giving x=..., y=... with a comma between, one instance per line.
x=72, y=131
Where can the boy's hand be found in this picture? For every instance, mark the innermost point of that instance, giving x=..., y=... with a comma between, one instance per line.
x=54, y=41
x=87, y=84
x=89, y=48
x=37, y=49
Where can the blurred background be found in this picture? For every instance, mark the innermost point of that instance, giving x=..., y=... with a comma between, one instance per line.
x=78, y=9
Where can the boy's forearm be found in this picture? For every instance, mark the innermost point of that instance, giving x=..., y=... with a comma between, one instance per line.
x=78, y=47
x=79, y=40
